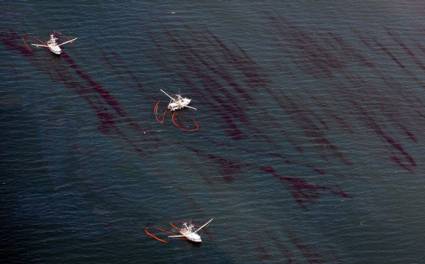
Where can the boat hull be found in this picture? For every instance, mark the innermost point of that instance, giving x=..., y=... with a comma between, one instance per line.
x=55, y=50
x=193, y=237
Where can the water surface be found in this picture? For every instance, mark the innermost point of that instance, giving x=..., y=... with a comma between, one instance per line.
x=309, y=148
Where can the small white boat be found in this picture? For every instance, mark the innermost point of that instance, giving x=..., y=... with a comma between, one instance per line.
x=52, y=45
x=178, y=102
x=189, y=232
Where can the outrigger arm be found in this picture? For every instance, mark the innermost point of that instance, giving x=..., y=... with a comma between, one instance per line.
x=167, y=95
x=69, y=41
x=40, y=45
x=204, y=225
x=176, y=236
x=191, y=107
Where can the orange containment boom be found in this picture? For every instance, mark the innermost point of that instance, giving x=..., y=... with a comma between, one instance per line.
x=154, y=237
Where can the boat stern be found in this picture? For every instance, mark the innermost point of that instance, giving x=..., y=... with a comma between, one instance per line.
x=55, y=49
x=193, y=237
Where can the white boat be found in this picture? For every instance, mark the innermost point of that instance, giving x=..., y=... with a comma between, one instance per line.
x=189, y=232
x=178, y=102
x=52, y=45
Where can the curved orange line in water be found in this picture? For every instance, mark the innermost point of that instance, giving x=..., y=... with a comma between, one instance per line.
x=173, y=225
x=159, y=119
x=154, y=237
x=181, y=127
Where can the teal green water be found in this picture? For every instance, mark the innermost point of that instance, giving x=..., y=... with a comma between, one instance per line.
x=307, y=146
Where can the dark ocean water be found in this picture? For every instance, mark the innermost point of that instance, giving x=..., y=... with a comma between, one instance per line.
x=310, y=147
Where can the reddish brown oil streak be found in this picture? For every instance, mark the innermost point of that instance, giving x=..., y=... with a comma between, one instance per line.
x=379, y=131
x=112, y=59
x=62, y=75
x=96, y=86
x=289, y=256
x=230, y=104
x=310, y=254
x=262, y=252
x=303, y=192
x=219, y=71
x=231, y=100
x=223, y=110
x=243, y=63
x=319, y=59
x=228, y=168
x=389, y=139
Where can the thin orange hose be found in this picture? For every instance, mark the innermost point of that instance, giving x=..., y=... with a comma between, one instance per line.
x=173, y=225
x=179, y=126
x=155, y=111
x=154, y=237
